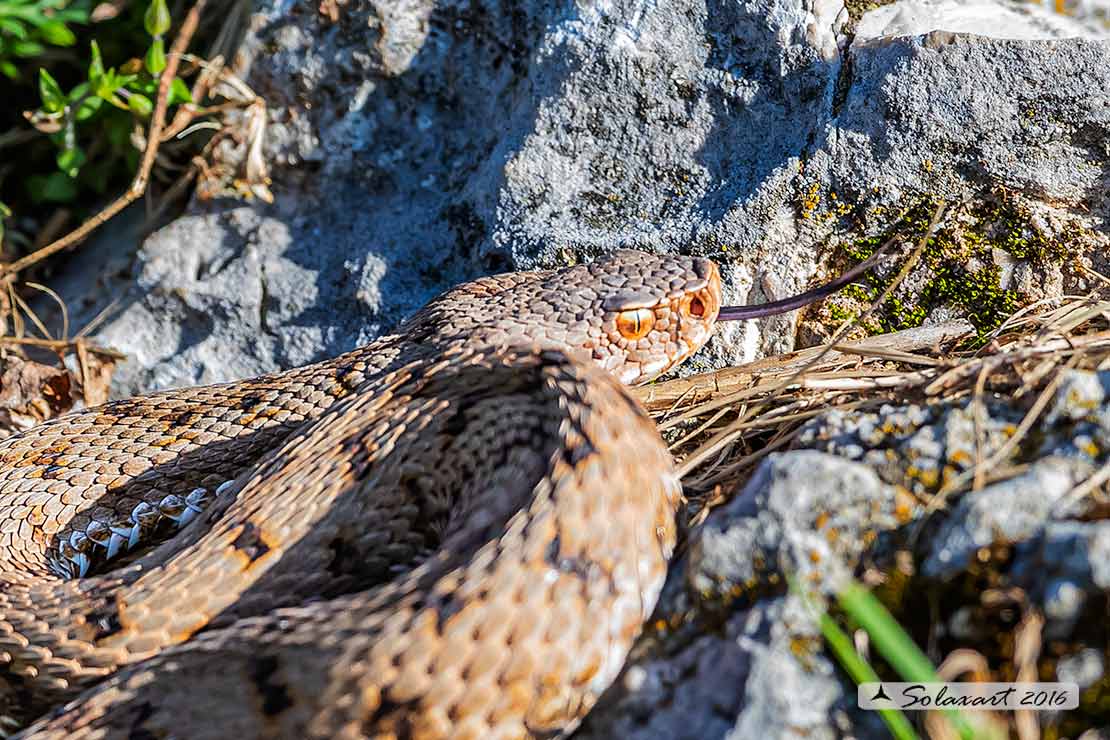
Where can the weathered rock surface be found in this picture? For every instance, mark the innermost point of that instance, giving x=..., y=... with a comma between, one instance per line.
x=978, y=17
x=416, y=144
x=732, y=653
x=780, y=524
x=739, y=681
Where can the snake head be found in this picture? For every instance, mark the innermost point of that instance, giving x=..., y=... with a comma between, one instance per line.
x=636, y=314
x=654, y=311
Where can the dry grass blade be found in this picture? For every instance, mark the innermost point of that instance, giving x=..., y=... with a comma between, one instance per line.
x=699, y=429
x=770, y=420
x=1096, y=276
x=862, y=382
x=1083, y=490
x=1003, y=452
x=894, y=355
x=58, y=300
x=97, y=320
x=729, y=434
x=713, y=386
x=710, y=418
x=1009, y=356
x=62, y=346
x=1027, y=652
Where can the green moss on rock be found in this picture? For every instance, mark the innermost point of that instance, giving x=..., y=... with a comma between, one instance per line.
x=959, y=264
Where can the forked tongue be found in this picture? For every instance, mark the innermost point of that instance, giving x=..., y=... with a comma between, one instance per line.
x=740, y=313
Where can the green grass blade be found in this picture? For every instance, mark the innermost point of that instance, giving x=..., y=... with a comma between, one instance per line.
x=889, y=638
x=895, y=645
x=862, y=672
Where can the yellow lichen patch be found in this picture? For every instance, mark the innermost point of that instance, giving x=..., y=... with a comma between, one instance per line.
x=837, y=207
x=811, y=199
x=925, y=476
x=959, y=457
x=1089, y=447
x=904, y=504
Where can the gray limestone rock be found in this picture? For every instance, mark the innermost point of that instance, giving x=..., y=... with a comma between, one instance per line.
x=420, y=143
x=746, y=679
x=1066, y=565
x=1013, y=510
x=1083, y=669
x=803, y=512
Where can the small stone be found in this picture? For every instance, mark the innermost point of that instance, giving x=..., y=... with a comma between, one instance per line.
x=1063, y=600
x=1085, y=668
x=1078, y=396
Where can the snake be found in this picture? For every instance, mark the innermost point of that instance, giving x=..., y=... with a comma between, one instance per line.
x=456, y=530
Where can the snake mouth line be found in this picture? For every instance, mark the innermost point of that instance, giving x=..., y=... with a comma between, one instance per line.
x=103, y=541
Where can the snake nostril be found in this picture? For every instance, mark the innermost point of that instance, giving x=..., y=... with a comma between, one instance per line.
x=697, y=307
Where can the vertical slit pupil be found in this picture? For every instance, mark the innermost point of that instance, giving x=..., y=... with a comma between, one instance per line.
x=635, y=323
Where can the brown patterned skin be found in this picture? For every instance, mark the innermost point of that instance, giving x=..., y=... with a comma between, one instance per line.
x=506, y=465
x=455, y=531
x=423, y=496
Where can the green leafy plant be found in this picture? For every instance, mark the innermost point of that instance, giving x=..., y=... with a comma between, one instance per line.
x=103, y=108
x=28, y=27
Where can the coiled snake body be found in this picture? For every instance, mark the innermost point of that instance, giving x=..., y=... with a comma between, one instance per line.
x=455, y=531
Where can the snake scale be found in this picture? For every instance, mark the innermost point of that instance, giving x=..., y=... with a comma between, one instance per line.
x=455, y=531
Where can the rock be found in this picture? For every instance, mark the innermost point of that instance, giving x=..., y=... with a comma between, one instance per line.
x=786, y=694
x=1010, y=511
x=805, y=513
x=417, y=144
x=690, y=695
x=815, y=514
x=918, y=448
x=750, y=680
x=891, y=136
x=1063, y=565
x=1080, y=395
x=981, y=17
x=1083, y=669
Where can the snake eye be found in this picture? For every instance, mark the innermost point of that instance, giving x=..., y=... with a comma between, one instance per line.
x=635, y=323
